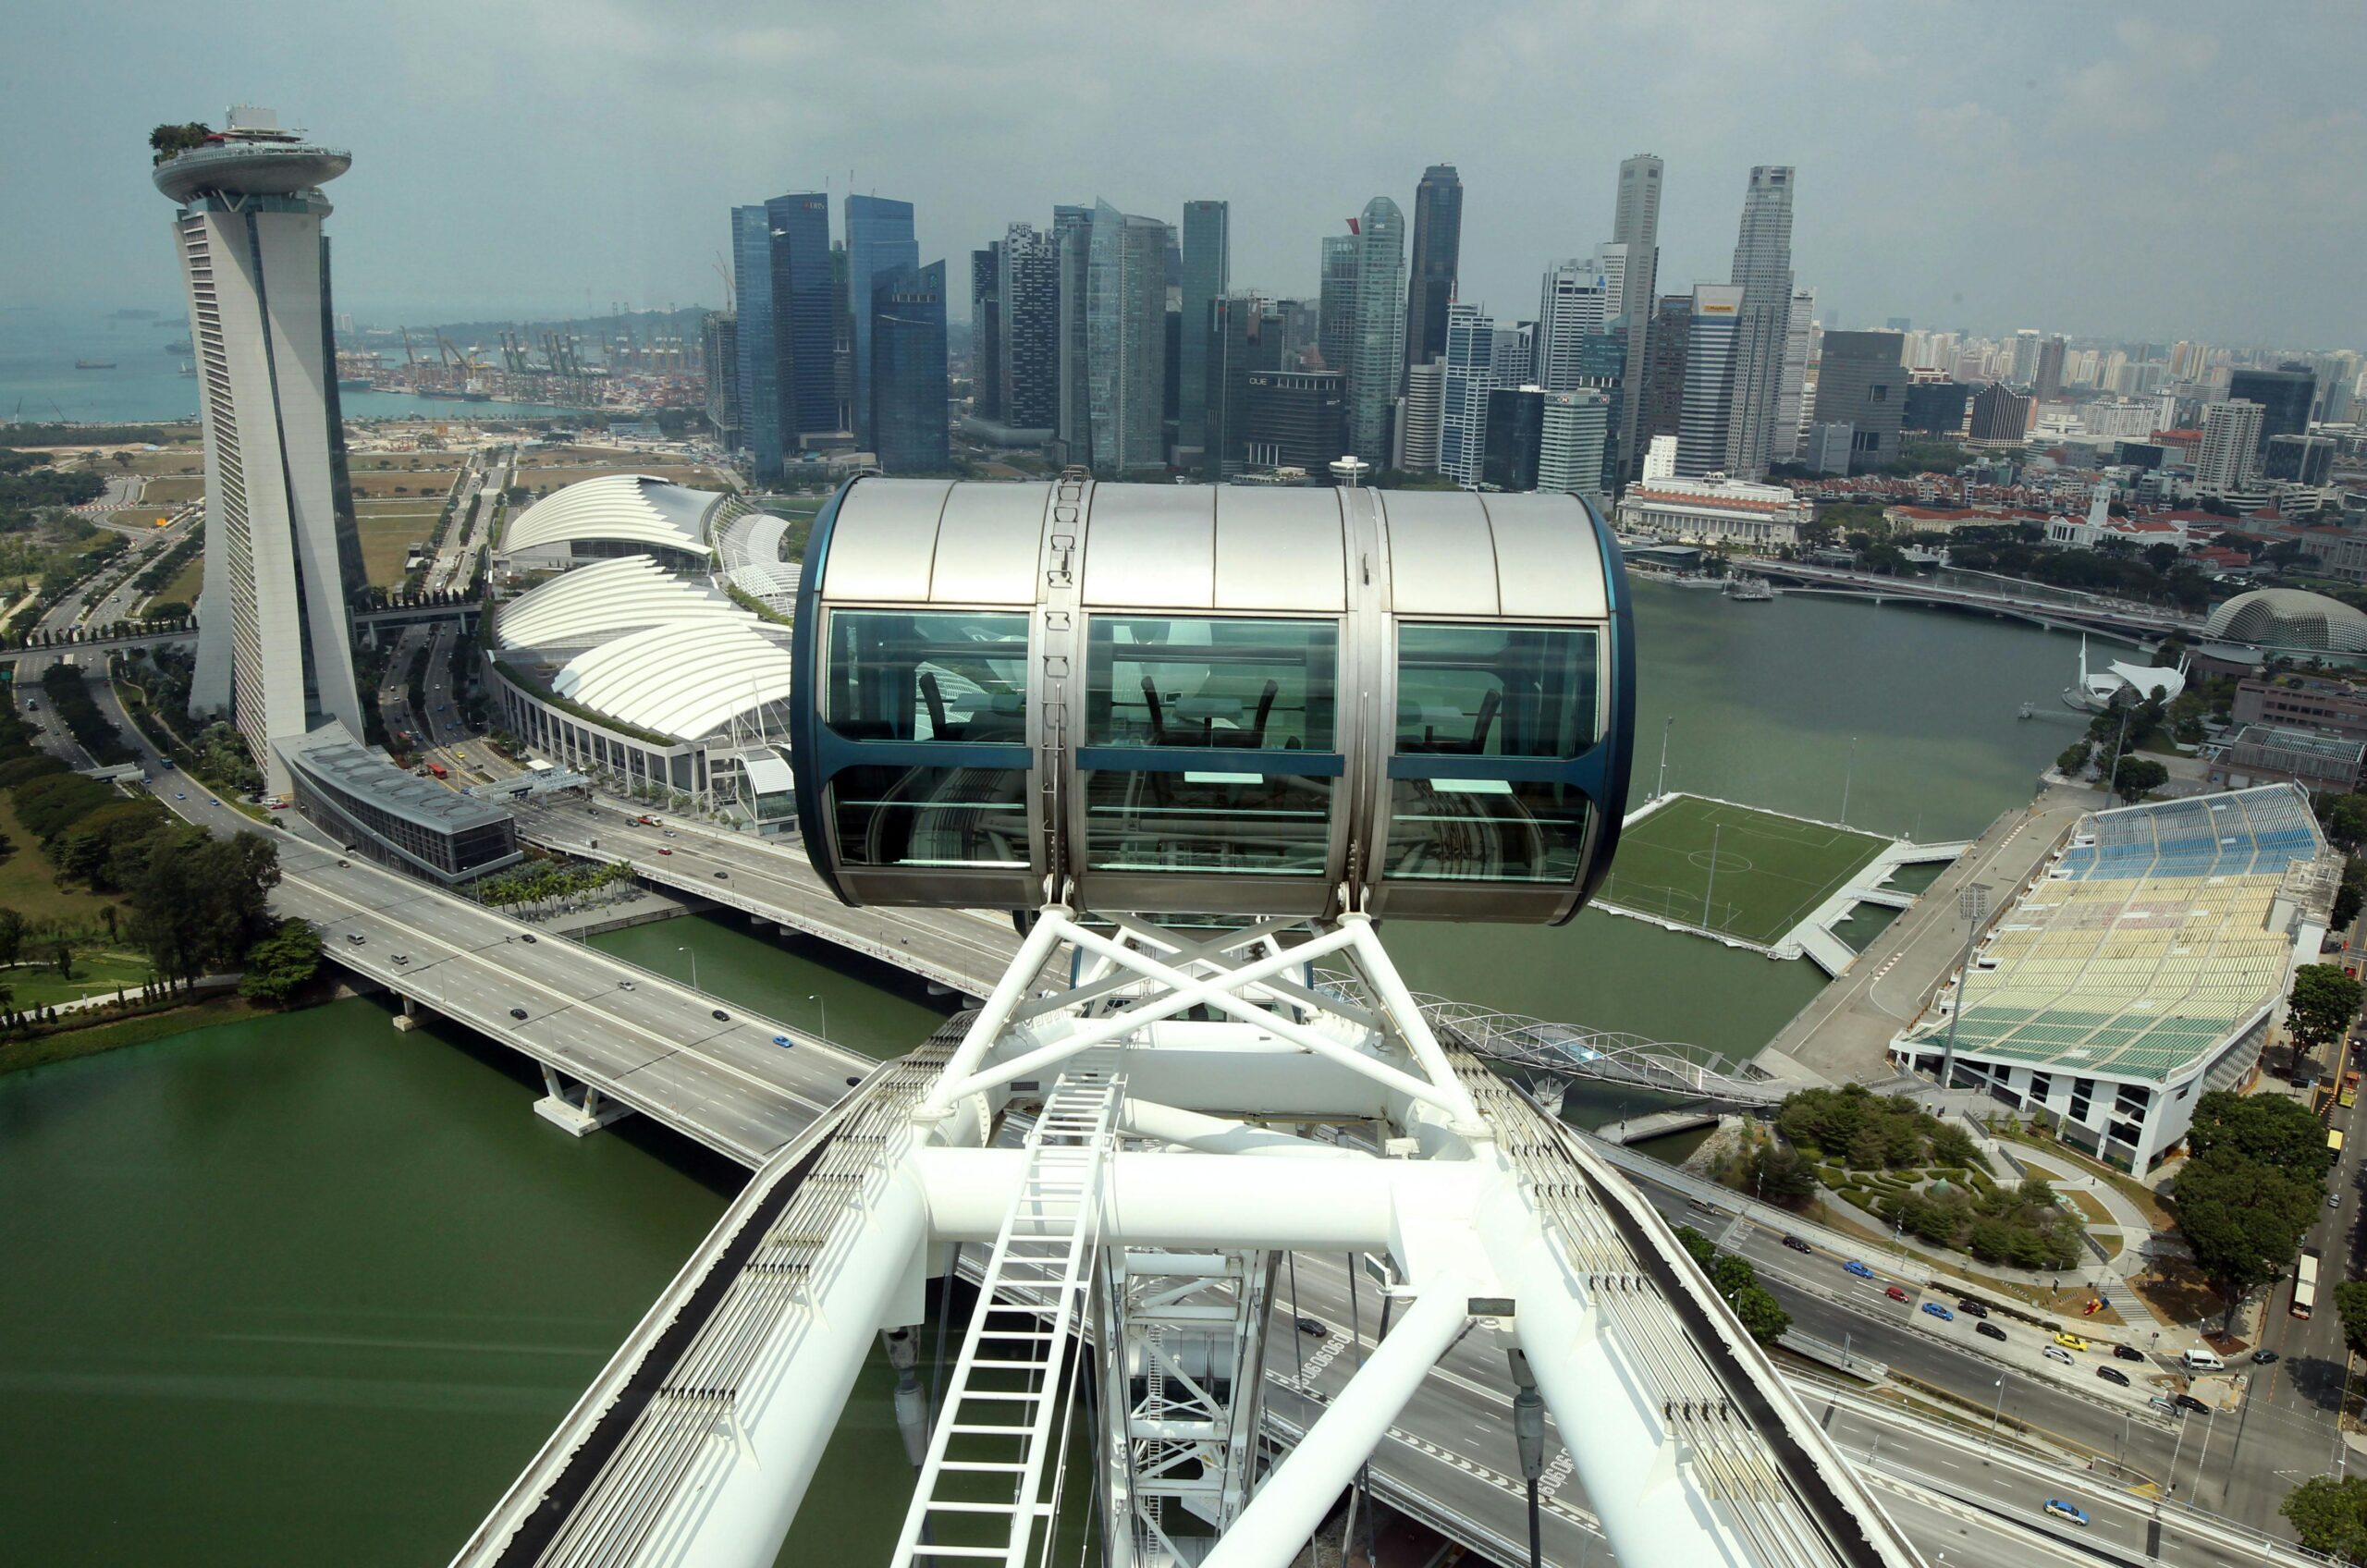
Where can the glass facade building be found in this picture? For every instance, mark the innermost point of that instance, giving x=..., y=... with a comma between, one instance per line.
x=1207, y=273
x=1125, y=322
x=1437, y=251
x=908, y=382
x=1376, y=364
x=880, y=239
x=758, y=373
x=803, y=356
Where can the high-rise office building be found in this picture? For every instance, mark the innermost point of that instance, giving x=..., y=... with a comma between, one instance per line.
x=1335, y=333
x=1663, y=409
x=880, y=239
x=1573, y=451
x=1999, y=417
x=2047, y=379
x=1762, y=271
x=1377, y=358
x=1417, y=440
x=1515, y=435
x=908, y=380
x=719, y=344
x=1636, y=223
x=841, y=340
x=1126, y=323
x=1244, y=334
x=1860, y=384
x=757, y=373
x=985, y=331
x=1208, y=272
x=1513, y=361
x=1470, y=377
x=1295, y=418
x=2299, y=459
x=1438, y=251
x=1073, y=248
x=274, y=644
x=1574, y=304
x=2284, y=395
x=2022, y=371
x=1791, y=393
x=1029, y=355
x=1705, y=438
x=2226, y=459
x=804, y=352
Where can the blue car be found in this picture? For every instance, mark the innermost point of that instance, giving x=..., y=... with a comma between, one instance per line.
x=1860, y=1270
x=1942, y=1313
x=783, y=1040
x=2058, y=1509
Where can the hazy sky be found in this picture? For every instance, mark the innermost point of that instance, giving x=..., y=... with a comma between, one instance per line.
x=2153, y=171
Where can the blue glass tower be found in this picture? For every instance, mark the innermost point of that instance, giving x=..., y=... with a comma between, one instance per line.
x=803, y=352
x=879, y=241
x=755, y=371
x=909, y=387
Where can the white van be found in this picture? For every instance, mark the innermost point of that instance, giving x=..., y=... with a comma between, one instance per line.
x=2202, y=1360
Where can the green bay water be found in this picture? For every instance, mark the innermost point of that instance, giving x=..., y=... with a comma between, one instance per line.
x=308, y=1290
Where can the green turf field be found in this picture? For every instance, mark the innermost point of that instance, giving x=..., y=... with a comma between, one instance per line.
x=1770, y=871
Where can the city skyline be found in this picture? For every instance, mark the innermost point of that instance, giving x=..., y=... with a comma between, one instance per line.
x=1958, y=169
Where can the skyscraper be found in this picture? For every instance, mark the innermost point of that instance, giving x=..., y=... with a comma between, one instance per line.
x=1763, y=271
x=1244, y=334
x=880, y=239
x=908, y=377
x=841, y=341
x=985, y=331
x=1573, y=305
x=758, y=373
x=1574, y=443
x=1378, y=355
x=1663, y=410
x=2048, y=377
x=1515, y=435
x=1705, y=440
x=1029, y=355
x=1417, y=439
x=1335, y=330
x=1126, y=339
x=1438, y=251
x=2284, y=395
x=2230, y=438
x=274, y=646
x=1636, y=223
x=1790, y=421
x=1208, y=272
x=1073, y=249
x=1861, y=383
x=720, y=341
x=2023, y=370
x=1463, y=404
x=801, y=308
x=1295, y=419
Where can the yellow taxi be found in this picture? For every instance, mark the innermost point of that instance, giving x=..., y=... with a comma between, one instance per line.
x=2070, y=1341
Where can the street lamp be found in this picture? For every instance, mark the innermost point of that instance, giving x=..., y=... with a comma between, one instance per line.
x=694, y=967
x=825, y=1006
x=1659, y=786
x=1996, y=1411
x=1847, y=769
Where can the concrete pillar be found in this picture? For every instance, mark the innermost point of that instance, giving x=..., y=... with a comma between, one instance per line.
x=581, y=1111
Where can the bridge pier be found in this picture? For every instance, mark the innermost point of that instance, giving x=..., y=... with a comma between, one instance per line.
x=577, y=1108
x=406, y=1020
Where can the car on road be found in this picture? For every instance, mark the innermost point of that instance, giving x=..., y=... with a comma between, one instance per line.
x=2056, y=1352
x=1989, y=1330
x=626, y=985
x=722, y=1016
x=664, y=850
x=2188, y=1401
x=2128, y=1352
x=354, y=936
x=519, y=1012
x=723, y=877
x=2058, y=1509
x=783, y=1041
x=1315, y=1326
x=2264, y=1358
x=1972, y=1308
x=2163, y=1405
x=529, y=939
x=2112, y=1375
x=2334, y=1200
x=2069, y=1341
x=1894, y=1293
x=1942, y=1313
x=344, y=862
x=402, y=958
x=1860, y=1270
x=180, y=794
x=1797, y=1244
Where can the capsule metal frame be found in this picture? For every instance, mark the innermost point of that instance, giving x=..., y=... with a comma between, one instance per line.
x=1039, y=772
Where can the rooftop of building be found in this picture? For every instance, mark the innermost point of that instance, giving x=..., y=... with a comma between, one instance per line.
x=332, y=754
x=2282, y=738
x=629, y=509
x=2148, y=943
x=1718, y=490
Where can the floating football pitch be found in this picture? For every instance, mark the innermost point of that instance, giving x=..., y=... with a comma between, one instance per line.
x=1770, y=871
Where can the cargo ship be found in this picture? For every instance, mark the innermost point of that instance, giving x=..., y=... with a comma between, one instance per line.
x=94, y=365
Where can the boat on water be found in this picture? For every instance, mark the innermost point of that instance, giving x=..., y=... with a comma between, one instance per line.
x=353, y=384
x=94, y=365
x=1697, y=579
x=2096, y=690
x=188, y=367
x=1749, y=590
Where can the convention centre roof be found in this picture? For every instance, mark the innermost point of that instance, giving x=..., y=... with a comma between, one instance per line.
x=620, y=509
x=595, y=603
x=2289, y=617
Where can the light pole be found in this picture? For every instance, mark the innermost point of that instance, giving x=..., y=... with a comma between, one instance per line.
x=694, y=967
x=1847, y=769
x=825, y=1006
x=1659, y=786
x=1973, y=902
x=1996, y=1411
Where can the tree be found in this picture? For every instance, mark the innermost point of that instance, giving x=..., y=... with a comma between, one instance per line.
x=1762, y=1315
x=281, y=963
x=2323, y=1002
x=2073, y=757
x=2133, y=776
x=2351, y=1306
x=2330, y=1515
x=2351, y=896
x=2270, y=1129
x=61, y=955
x=12, y=936
x=1951, y=1144
x=2344, y=817
x=1781, y=1172
x=2244, y=1219
x=1702, y=1248
x=170, y=140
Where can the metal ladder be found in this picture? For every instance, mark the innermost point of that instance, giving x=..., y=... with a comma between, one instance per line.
x=1009, y=1383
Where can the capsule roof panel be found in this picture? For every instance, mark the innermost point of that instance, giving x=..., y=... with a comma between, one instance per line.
x=1457, y=553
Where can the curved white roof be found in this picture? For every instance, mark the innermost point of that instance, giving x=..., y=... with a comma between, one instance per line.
x=596, y=602
x=2289, y=617
x=685, y=679
x=754, y=540
x=2146, y=680
x=631, y=509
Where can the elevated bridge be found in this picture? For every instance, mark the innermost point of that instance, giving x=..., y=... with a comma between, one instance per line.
x=2039, y=606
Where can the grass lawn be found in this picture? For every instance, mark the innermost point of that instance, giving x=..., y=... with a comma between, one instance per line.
x=95, y=973
x=2156, y=1213
x=172, y=489
x=28, y=884
x=431, y=485
x=138, y=516
x=186, y=583
x=387, y=541
x=1770, y=871
x=172, y=459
